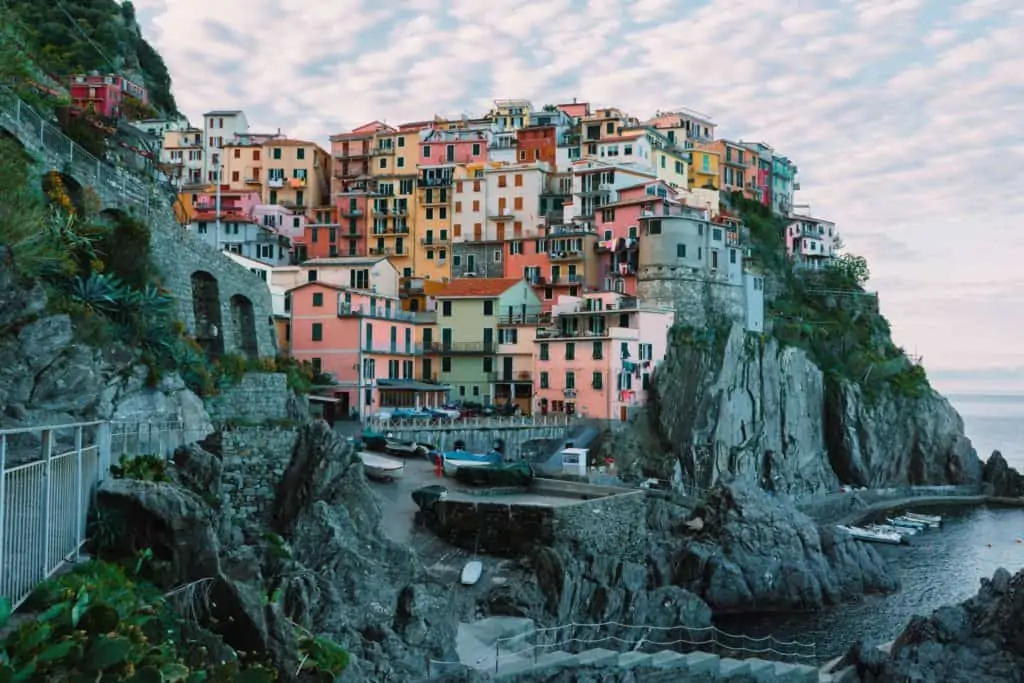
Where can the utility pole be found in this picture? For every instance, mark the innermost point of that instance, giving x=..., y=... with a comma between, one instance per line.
x=220, y=168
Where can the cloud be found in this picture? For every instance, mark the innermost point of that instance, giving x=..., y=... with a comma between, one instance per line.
x=904, y=116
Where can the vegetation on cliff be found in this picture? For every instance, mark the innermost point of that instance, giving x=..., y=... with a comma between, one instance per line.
x=829, y=313
x=79, y=36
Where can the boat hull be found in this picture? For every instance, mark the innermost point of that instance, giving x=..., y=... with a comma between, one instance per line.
x=381, y=469
x=872, y=536
x=471, y=572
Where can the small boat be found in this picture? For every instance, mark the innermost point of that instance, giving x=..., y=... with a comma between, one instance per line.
x=904, y=522
x=471, y=572
x=380, y=468
x=453, y=460
x=890, y=529
x=519, y=473
x=872, y=535
x=404, y=448
x=931, y=520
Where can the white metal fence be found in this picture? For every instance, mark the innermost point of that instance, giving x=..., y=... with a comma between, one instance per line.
x=48, y=476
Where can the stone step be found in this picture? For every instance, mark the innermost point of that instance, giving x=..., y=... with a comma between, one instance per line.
x=761, y=670
x=733, y=670
x=597, y=657
x=795, y=673
x=631, y=660
x=702, y=663
x=667, y=659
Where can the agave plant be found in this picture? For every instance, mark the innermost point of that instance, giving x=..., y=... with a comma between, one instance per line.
x=100, y=292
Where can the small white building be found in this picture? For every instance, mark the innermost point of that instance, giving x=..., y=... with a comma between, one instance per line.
x=811, y=242
x=241, y=235
x=220, y=127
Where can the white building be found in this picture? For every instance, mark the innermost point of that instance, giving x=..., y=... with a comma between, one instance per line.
x=242, y=235
x=219, y=127
x=511, y=196
x=181, y=155
x=811, y=242
x=596, y=183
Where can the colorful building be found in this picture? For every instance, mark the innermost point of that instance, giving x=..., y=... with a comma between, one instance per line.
x=468, y=315
x=784, y=184
x=367, y=343
x=220, y=127
x=812, y=243
x=110, y=96
x=537, y=143
x=430, y=249
x=181, y=156
x=598, y=354
x=704, y=170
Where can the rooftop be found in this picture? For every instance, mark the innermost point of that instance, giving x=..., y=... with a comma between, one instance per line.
x=483, y=287
x=223, y=112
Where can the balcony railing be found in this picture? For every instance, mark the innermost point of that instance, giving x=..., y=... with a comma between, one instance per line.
x=566, y=279
x=454, y=348
x=275, y=183
x=434, y=182
x=570, y=255
x=523, y=318
x=515, y=376
x=351, y=213
x=346, y=310
x=503, y=215
x=430, y=240
x=397, y=349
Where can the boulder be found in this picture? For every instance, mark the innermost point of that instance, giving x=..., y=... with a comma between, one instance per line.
x=1000, y=479
x=981, y=640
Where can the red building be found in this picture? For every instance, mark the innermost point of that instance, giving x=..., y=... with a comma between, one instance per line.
x=537, y=143
x=105, y=95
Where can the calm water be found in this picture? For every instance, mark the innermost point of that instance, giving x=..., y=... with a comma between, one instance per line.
x=943, y=566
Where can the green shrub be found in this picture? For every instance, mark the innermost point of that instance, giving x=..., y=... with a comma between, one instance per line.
x=141, y=467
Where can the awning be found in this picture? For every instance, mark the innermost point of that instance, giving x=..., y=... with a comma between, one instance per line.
x=409, y=385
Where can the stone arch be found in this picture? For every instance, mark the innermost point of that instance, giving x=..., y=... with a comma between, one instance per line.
x=243, y=324
x=57, y=182
x=209, y=330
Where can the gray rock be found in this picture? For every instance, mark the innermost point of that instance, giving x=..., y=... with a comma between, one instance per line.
x=978, y=641
x=19, y=301
x=1001, y=479
x=44, y=340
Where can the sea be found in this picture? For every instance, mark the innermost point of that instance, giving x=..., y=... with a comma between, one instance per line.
x=942, y=566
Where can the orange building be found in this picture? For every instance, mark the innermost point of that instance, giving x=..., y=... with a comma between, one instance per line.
x=537, y=143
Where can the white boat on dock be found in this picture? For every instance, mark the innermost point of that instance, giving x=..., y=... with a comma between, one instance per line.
x=906, y=523
x=933, y=521
x=873, y=535
x=903, y=531
x=380, y=468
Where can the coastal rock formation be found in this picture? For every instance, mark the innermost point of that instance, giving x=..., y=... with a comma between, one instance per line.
x=322, y=564
x=980, y=640
x=756, y=553
x=739, y=551
x=744, y=406
x=1000, y=479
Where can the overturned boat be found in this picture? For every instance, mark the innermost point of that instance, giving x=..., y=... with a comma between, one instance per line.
x=512, y=474
x=873, y=535
x=380, y=468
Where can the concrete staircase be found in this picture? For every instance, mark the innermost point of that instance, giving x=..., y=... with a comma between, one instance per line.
x=664, y=667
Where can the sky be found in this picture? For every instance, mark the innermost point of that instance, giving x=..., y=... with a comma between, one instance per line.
x=905, y=117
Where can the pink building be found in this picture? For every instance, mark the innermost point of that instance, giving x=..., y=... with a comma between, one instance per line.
x=280, y=219
x=105, y=95
x=598, y=356
x=452, y=147
x=618, y=229
x=231, y=201
x=367, y=343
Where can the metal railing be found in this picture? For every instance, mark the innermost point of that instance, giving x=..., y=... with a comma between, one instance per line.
x=89, y=170
x=48, y=476
x=495, y=422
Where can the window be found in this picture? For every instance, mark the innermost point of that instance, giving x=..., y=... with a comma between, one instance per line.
x=488, y=308
x=597, y=381
x=277, y=152
x=514, y=248
x=570, y=351
x=627, y=150
x=598, y=350
x=426, y=151
x=488, y=364
x=476, y=149
x=318, y=299
x=383, y=163
x=238, y=153
x=446, y=309
x=544, y=380
x=716, y=234
x=680, y=251
x=300, y=153
x=442, y=213
x=400, y=162
x=235, y=176
x=476, y=186
x=401, y=142
x=570, y=380
x=654, y=227
x=446, y=364
x=519, y=179
x=544, y=351
x=476, y=204
x=732, y=256
x=430, y=213
x=311, y=276
x=318, y=332
x=608, y=216
x=458, y=207
x=502, y=181
x=517, y=203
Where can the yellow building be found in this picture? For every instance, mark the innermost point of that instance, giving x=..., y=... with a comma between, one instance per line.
x=243, y=167
x=511, y=114
x=704, y=169
x=297, y=174
x=433, y=235
x=672, y=166
x=392, y=212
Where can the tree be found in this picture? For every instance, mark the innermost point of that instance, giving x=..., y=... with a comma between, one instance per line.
x=851, y=269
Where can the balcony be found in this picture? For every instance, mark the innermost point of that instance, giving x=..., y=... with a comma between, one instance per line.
x=275, y=183
x=571, y=279
x=434, y=181
x=456, y=348
x=374, y=251
x=500, y=215
x=523, y=318
x=377, y=151
x=569, y=392
x=431, y=241
x=524, y=376
x=346, y=310
x=396, y=349
x=351, y=213
x=571, y=255
x=252, y=180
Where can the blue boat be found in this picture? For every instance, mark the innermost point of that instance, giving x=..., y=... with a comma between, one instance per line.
x=453, y=460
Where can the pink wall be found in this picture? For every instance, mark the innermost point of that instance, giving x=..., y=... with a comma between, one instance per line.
x=589, y=401
x=462, y=151
x=516, y=263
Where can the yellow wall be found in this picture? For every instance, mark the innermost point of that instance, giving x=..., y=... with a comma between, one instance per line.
x=665, y=167
x=284, y=154
x=392, y=164
x=698, y=176
x=244, y=163
x=437, y=203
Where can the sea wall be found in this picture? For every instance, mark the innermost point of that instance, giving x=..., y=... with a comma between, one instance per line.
x=257, y=398
x=614, y=526
x=253, y=460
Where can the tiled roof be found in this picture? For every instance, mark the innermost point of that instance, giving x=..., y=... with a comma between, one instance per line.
x=211, y=216
x=477, y=287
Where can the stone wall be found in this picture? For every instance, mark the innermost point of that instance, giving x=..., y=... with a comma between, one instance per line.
x=483, y=255
x=477, y=439
x=253, y=460
x=695, y=299
x=615, y=526
x=177, y=254
x=257, y=398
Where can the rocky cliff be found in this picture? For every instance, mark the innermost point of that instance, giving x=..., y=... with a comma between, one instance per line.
x=320, y=564
x=742, y=405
